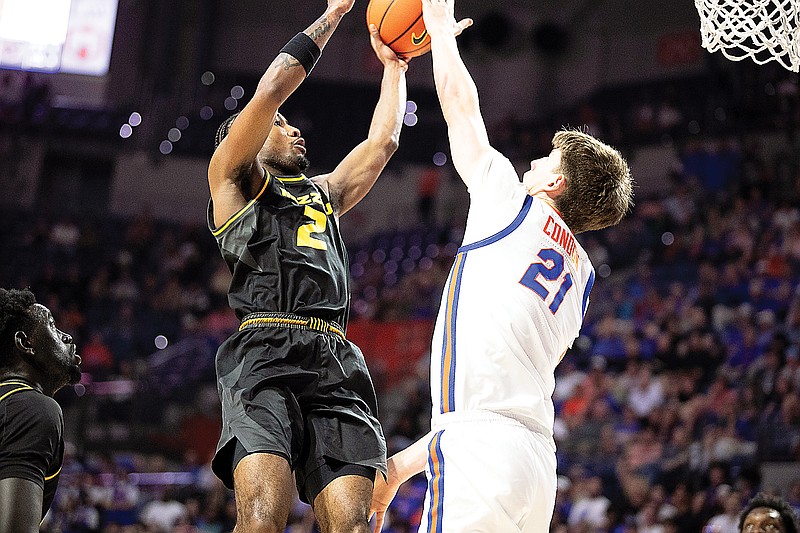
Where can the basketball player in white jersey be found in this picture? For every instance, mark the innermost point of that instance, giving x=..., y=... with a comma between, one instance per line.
x=512, y=306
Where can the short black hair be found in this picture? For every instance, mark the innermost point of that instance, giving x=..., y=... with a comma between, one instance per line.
x=777, y=503
x=15, y=315
x=224, y=129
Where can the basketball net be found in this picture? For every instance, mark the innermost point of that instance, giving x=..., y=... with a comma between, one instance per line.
x=764, y=30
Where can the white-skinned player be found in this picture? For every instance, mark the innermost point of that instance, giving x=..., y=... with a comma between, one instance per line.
x=512, y=306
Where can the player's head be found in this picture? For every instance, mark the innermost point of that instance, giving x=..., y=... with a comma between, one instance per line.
x=597, y=188
x=284, y=151
x=31, y=343
x=224, y=129
x=769, y=514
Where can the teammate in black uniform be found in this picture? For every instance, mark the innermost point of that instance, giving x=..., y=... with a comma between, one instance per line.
x=36, y=359
x=296, y=395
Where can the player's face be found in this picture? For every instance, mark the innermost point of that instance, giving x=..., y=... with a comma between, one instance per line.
x=54, y=351
x=543, y=171
x=284, y=149
x=763, y=519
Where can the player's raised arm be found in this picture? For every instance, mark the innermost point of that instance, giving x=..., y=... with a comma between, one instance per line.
x=234, y=169
x=458, y=95
x=352, y=179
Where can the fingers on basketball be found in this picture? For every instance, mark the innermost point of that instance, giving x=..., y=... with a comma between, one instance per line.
x=400, y=26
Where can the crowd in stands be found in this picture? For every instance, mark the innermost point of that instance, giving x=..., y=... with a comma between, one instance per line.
x=684, y=382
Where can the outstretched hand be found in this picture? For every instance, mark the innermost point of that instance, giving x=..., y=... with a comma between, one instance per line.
x=384, y=53
x=382, y=496
x=440, y=15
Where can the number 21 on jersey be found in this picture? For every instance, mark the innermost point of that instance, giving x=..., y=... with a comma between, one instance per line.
x=549, y=270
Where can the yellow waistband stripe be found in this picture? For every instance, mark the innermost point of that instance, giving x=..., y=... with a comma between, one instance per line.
x=255, y=320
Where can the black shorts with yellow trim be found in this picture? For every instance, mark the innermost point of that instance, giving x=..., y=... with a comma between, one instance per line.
x=295, y=387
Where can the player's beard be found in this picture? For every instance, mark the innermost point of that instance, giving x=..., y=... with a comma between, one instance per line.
x=59, y=369
x=73, y=374
x=70, y=367
x=291, y=165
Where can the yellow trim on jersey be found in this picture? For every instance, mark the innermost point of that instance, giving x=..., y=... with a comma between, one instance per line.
x=9, y=393
x=48, y=478
x=301, y=177
x=241, y=211
x=447, y=398
x=13, y=382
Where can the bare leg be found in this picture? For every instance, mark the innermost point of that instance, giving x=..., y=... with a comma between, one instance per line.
x=263, y=486
x=343, y=506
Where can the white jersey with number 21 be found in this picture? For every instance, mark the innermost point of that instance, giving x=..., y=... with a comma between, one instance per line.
x=513, y=304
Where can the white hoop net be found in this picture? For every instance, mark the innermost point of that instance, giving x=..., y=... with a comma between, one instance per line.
x=764, y=30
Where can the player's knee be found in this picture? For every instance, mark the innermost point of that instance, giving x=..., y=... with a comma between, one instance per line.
x=348, y=525
x=257, y=524
x=344, y=519
x=260, y=517
x=343, y=505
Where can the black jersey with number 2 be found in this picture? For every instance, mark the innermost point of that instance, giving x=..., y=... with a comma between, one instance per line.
x=31, y=437
x=285, y=252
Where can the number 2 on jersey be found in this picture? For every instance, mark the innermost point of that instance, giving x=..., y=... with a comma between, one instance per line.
x=304, y=232
x=549, y=273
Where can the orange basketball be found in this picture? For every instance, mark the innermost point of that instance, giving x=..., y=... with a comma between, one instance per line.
x=400, y=26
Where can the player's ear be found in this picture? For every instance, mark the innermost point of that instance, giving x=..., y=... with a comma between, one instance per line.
x=556, y=184
x=23, y=343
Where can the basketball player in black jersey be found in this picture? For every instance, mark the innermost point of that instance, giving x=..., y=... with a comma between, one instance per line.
x=36, y=359
x=296, y=395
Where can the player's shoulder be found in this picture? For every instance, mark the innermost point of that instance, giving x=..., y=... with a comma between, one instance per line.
x=296, y=186
x=480, y=165
x=494, y=177
x=34, y=407
x=492, y=161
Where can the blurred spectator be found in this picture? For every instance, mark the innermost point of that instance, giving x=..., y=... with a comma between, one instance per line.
x=590, y=505
x=728, y=520
x=427, y=189
x=793, y=496
x=646, y=394
x=163, y=514
x=96, y=356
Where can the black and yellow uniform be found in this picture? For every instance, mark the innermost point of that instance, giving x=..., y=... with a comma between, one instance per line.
x=31, y=437
x=289, y=381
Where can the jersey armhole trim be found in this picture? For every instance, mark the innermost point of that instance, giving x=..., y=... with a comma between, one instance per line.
x=217, y=232
x=48, y=478
x=526, y=207
x=586, y=291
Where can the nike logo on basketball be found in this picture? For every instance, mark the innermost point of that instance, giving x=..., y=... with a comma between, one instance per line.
x=418, y=40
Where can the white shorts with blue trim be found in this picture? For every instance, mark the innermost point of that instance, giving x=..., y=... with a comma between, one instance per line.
x=488, y=473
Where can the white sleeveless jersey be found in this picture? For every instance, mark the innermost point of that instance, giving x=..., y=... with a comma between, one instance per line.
x=512, y=306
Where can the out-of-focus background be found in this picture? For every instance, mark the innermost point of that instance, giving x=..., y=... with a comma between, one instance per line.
x=680, y=399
